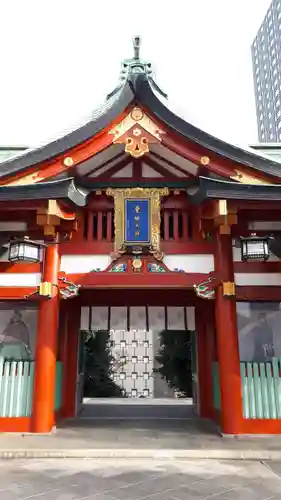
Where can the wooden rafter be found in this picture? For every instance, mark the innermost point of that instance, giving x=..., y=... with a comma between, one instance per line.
x=113, y=170
x=156, y=157
x=105, y=164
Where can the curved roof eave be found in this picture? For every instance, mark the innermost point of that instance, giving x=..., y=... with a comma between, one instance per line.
x=111, y=109
x=65, y=189
x=205, y=188
x=146, y=96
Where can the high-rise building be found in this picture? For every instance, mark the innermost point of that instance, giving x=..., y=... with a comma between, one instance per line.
x=266, y=57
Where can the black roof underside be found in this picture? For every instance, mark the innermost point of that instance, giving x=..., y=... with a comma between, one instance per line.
x=54, y=190
x=137, y=86
x=205, y=188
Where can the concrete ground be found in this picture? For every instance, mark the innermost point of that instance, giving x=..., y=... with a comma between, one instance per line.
x=74, y=479
x=190, y=438
x=139, y=429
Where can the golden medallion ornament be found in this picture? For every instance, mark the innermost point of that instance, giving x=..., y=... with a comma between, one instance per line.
x=68, y=161
x=137, y=264
x=205, y=160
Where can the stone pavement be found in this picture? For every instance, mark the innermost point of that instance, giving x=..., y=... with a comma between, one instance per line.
x=86, y=479
x=189, y=439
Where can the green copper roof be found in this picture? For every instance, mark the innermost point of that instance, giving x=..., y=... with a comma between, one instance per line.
x=10, y=152
x=271, y=150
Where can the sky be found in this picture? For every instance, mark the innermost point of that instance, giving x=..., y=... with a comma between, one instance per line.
x=59, y=58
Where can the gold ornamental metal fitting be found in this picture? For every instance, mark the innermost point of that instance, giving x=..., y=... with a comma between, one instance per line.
x=205, y=160
x=68, y=161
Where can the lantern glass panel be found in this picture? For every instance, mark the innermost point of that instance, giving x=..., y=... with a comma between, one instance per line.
x=255, y=249
x=23, y=251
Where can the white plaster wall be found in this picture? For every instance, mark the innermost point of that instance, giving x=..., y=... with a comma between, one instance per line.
x=20, y=279
x=193, y=263
x=84, y=263
x=258, y=279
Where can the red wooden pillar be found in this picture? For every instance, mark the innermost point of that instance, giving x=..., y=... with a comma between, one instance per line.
x=205, y=335
x=227, y=341
x=71, y=358
x=46, y=347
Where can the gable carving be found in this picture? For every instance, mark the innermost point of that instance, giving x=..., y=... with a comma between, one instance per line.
x=136, y=131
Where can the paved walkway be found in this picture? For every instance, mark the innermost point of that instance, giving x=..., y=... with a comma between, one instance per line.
x=192, y=438
x=86, y=479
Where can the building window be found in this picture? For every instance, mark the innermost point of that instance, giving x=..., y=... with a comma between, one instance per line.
x=259, y=330
x=277, y=91
x=271, y=136
x=279, y=113
x=269, y=115
x=275, y=72
x=274, y=61
x=277, y=104
x=273, y=51
x=262, y=126
x=261, y=117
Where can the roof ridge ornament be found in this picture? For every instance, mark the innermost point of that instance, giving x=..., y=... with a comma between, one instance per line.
x=136, y=44
x=136, y=66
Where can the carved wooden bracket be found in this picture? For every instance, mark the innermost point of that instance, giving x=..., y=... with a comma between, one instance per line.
x=52, y=216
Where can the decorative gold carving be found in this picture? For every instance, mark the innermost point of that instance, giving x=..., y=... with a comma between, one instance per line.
x=246, y=179
x=205, y=160
x=228, y=288
x=154, y=195
x=68, y=161
x=26, y=180
x=136, y=131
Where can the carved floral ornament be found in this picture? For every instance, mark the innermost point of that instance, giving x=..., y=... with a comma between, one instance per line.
x=136, y=131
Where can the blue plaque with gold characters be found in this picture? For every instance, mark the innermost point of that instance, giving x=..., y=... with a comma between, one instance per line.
x=137, y=221
x=137, y=218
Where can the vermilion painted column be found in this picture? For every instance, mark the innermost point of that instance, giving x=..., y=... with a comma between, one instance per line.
x=227, y=341
x=205, y=331
x=46, y=347
x=71, y=361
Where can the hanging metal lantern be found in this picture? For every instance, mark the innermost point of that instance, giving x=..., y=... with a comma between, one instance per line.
x=24, y=250
x=255, y=248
